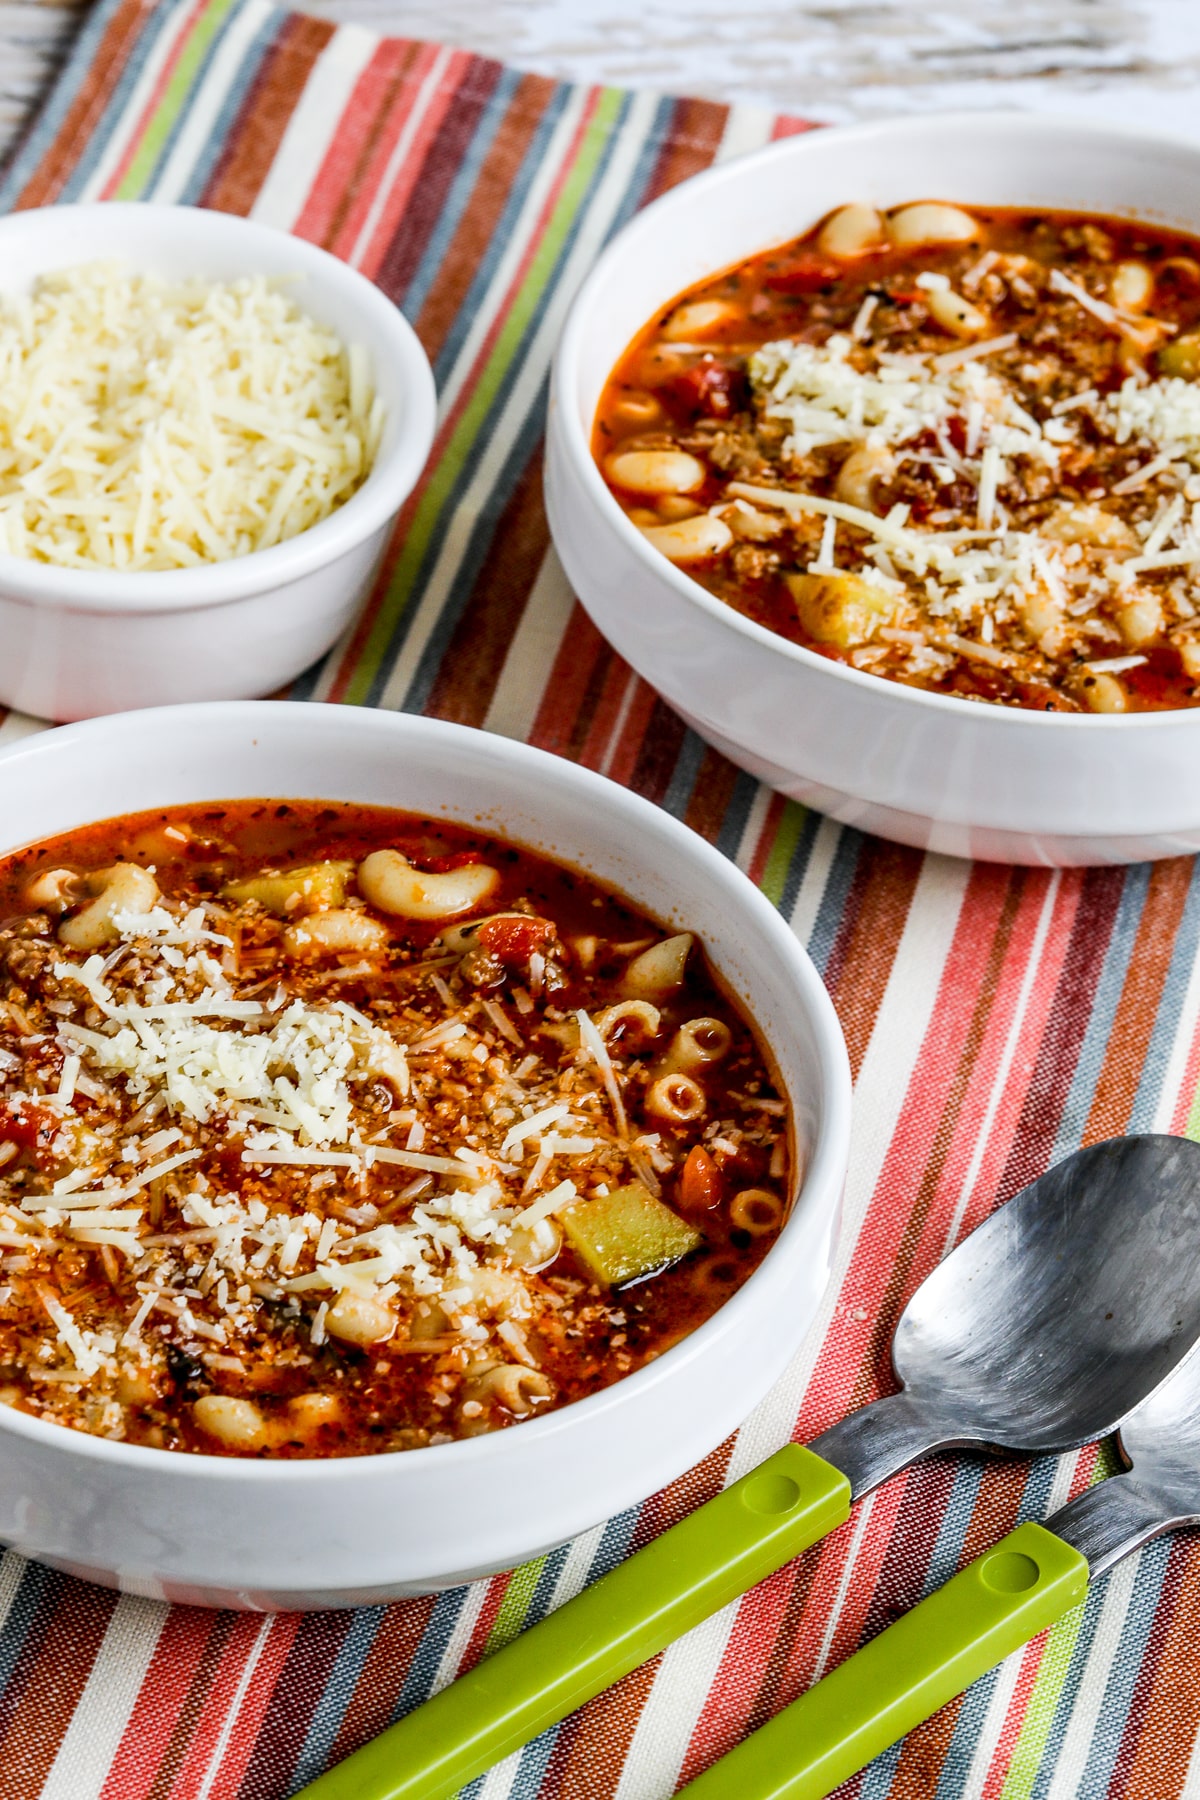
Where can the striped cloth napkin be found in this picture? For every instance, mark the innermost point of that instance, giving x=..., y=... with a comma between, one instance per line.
x=997, y=1018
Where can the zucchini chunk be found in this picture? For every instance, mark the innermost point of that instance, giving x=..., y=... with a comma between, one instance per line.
x=310, y=887
x=627, y=1234
x=1181, y=357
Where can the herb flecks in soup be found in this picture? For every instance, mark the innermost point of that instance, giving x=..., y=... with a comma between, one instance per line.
x=958, y=449
x=329, y=1130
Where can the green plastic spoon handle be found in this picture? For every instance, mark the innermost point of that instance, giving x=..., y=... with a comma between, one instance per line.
x=903, y=1676
x=718, y=1552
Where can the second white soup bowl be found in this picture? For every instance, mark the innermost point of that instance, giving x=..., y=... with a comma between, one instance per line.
x=926, y=769
x=221, y=1531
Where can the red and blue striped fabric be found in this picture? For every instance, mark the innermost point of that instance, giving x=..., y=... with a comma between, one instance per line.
x=997, y=1018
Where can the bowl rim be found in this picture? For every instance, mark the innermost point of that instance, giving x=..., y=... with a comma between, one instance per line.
x=823, y=1169
x=391, y=479
x=574, y=438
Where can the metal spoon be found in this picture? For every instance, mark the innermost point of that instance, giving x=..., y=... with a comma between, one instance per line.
x=1040, y=1331
x=1044, y=1327
x=999, y=1602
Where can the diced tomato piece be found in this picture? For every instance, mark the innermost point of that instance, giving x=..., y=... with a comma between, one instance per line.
x=30, y=1128
x=439, y=862
x=709, y=387
x=514, y=940
x=700, y=1185
x=956, y=431
x=807, y=274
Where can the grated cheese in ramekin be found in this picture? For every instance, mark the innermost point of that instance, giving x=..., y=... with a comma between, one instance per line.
x=147, y=424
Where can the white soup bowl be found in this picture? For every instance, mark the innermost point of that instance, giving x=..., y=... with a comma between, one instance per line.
x=927, y=769
x=223, y=1531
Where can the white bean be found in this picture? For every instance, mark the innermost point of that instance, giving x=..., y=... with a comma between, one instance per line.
x=956, y=315
x=696, y=319
x=388, y=880
x=358, y=1319
x=673, y=507
x=1131, y=286
x=236, y=1423
x=125, y=888
x=1043, y=617
x=638, y=408
x=851, y=231
x=931, y=222
x=688, y=540
x=310, y=1411
x=1140, y=616
x=655, y=471
x=1103, y=693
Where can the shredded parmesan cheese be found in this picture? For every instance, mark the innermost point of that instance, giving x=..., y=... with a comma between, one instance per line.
x=154, y=425
x=1164, y=414
x=816, y=390
x=1099, y=309
x=547, y=1203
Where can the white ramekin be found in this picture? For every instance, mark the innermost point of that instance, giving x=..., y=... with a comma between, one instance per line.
x=77, y=642
x=940, y=773
x=216, y=1531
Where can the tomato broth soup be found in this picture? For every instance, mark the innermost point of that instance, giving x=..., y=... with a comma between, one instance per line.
x=953, y=447
x=328, y=1130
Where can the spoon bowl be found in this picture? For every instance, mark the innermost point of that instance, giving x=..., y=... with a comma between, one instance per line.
x=1066, y=1306
x=1054, y=1318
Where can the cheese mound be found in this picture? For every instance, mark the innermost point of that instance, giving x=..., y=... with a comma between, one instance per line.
x=281, y=1079
x=1164, y=414
x=818, y=392
x=988, y=571
x=147, y=424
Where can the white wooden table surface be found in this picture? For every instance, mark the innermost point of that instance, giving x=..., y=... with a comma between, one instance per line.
x=1131, y=60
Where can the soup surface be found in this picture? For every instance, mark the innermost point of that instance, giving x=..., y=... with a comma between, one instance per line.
x=327, y=1130
x=958, y=449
